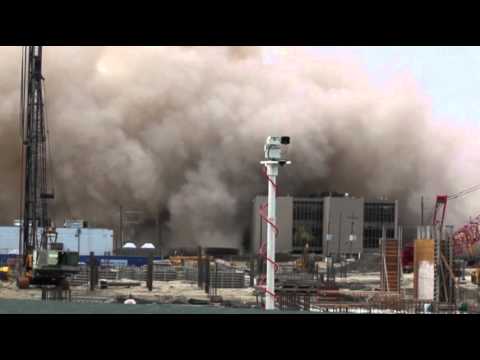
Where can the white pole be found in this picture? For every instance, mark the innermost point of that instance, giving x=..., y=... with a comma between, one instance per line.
x=272, y=172
x=273, y=159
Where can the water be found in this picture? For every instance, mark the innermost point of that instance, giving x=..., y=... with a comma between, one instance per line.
x=52, y=307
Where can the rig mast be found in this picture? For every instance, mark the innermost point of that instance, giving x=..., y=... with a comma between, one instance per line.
x=34, y=154
x=41, y=258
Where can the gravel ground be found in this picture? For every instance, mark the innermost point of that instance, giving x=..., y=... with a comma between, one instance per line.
x=8, y=290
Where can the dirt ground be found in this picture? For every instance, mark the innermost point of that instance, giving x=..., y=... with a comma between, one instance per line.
x=163, y=292
x=8, y=290
x=167, y=292
x=180, y=292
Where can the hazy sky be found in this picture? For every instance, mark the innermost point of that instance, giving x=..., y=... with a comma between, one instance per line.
x=449, y=76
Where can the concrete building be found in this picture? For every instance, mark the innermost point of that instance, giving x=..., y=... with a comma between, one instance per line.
x=343, y=217
x=379, y=214
x=283, y=242
x=309, y=220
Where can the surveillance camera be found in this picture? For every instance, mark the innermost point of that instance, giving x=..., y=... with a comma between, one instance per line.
x=273, y=147
x=285, y=140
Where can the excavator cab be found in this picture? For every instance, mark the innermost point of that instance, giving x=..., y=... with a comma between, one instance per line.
x=48, y=264
x=53, y=264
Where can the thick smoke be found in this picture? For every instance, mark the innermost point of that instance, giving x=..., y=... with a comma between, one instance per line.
x=182, y=129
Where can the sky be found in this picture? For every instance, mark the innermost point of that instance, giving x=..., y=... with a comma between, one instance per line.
x=448, y=76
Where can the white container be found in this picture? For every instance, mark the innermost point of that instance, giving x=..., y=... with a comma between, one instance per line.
x=426, y=280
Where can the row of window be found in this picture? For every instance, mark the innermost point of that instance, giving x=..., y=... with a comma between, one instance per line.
x=371, y=237
x=307, y=224
x=303, y=233
x=307, y=211
x=378, y=212
x=373, y=212
x=307, y=232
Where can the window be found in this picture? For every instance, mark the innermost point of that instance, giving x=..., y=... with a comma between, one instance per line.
x=307, y=224
x=372, y=235
x=379, y=212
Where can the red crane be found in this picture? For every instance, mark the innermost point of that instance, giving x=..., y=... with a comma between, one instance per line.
x=441, y=202
x=463, y=239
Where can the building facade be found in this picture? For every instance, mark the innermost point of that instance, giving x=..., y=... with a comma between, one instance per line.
x=98, y=241
x=379, y=214
x=284, y=216
x=354, y=224
x=343, y=218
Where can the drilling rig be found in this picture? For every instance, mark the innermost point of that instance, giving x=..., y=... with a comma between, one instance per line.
x=42, y=259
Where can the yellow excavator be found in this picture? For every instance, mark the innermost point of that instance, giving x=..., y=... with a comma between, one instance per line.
x=4, y=273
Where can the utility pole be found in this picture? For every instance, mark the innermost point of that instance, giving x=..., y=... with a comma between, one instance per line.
x=131, y=217
x=79, y=231
x=157, y=229
x=121, y=226
x=421, y=207
x=260, y=267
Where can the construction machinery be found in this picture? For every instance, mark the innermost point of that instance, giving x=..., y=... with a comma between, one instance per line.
x=181, y=260
x=466, y=240
x=42, y=258
x=4, y=273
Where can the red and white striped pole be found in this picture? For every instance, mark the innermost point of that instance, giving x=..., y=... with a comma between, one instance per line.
x=272, y=172
x=272, y=163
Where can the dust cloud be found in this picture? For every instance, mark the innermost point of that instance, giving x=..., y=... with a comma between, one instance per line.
x=181, y=130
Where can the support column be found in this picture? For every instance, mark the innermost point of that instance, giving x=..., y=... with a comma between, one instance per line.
x=93, y=271
x=150, y=272
x=207, y=274
x=252, y=270
x=199, y=268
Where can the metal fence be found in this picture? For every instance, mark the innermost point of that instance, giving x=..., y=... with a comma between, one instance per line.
x=220, y=278
x=128, y=273
x=304, y=301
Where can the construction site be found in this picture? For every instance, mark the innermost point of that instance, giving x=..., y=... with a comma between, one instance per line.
x=315, y=251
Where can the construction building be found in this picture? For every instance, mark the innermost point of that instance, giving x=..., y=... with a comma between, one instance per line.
x=74, y=236
x=355, y=224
